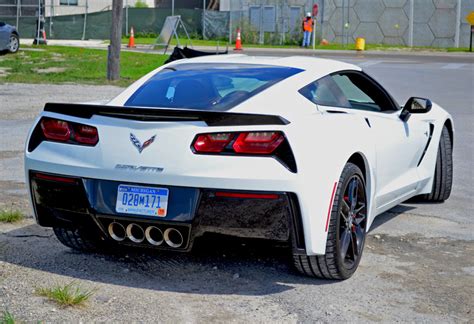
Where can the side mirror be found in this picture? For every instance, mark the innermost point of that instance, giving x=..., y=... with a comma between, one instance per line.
x=415, y=105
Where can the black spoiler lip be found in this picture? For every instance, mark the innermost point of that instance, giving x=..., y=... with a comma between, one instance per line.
x=211, y=118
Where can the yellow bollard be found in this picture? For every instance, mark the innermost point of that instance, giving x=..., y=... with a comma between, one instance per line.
x=360, y=44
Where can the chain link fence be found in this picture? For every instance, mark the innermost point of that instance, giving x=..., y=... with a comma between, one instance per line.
x=277, y=22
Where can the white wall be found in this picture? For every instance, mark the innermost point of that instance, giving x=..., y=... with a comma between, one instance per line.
x=92, y=6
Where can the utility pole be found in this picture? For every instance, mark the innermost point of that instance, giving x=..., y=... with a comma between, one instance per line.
x=113, y=59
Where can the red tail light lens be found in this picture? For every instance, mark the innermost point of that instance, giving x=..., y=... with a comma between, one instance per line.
x=263, y=143
x=56, y=130
x=86, y=134
x=212, y=143
x=258, y=142
x=69, y=132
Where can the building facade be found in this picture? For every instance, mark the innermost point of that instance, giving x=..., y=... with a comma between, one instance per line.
x=72, y=7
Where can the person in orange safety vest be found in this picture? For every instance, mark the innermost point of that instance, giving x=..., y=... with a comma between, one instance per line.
x=307, y=29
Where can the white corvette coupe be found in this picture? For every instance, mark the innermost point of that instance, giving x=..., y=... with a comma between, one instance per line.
x=299, y=150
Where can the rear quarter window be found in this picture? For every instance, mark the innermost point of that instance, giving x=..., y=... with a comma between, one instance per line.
x=325, y=92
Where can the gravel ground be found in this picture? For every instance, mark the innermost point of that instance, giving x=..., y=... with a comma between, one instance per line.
x=416, y=267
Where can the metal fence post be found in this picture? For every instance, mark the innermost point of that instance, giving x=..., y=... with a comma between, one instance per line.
x=322, y=19
x=411, y=23
x=230, y=26
x=342, y=21
x=458, y=25
x=85, y=21
x=203, y=18
x=38, y=23
x=126, y=17
x=18, y=8
x=261, y=38
x=172, y=7
x=51, y=14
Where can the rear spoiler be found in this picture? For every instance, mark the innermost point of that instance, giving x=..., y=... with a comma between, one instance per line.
x=211, y=118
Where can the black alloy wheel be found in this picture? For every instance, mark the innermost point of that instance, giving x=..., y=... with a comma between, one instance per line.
x=353, y=222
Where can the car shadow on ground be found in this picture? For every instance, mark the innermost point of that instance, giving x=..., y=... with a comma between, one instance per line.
x=215, y=266
x=389, y=215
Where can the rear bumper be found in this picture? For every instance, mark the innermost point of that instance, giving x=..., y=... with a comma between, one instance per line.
x=90, y=203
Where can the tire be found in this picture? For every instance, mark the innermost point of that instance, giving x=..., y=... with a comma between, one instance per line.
x=348, y=222
x=443, y=176
x=78, y=239
x=14, y=44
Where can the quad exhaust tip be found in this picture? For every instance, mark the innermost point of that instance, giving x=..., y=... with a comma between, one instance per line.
x=152, y=234
x=173, y=237
x=117, y=231
x=135, y=233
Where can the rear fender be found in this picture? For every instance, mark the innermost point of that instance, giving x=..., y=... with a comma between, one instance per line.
x=320, y=169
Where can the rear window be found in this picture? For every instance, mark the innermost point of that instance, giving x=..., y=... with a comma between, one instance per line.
x=215, y=87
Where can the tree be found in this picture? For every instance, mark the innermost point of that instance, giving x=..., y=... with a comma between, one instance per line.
x=113, y=59
x=140, y=4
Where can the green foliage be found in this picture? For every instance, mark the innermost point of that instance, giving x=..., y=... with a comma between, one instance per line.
x=68, y=295
x=7, y=318
x=61, y=64
x=10, y=216
x=141, y=4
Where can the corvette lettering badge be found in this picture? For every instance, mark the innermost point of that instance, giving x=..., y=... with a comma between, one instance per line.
x=140, y=147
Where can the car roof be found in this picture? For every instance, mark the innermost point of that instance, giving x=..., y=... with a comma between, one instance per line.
x=275, y=99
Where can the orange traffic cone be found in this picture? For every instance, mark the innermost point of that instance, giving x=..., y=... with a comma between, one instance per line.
x=238, y=42
x=131, y=41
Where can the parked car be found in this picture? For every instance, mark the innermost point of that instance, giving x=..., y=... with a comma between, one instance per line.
x=300, y=150
x=9, y=38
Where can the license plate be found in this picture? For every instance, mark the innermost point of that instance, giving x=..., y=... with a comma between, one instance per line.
x=147, y=201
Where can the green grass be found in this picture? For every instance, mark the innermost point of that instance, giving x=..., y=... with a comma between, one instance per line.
x=10, y=216
x=68, y=295
x=7, y=318
x=74, y=65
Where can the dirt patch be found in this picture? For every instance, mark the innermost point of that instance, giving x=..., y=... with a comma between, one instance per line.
x=4, y=71
x=50, y=70
x=13, y=195
x=433, y=268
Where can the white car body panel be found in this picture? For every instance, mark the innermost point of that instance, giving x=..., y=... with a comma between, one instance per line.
x=322, y=143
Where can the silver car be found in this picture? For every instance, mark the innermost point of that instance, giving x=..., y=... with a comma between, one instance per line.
x=9, y=38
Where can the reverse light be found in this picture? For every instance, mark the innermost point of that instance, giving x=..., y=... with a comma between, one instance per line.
x=69, y=132
x=258, y=142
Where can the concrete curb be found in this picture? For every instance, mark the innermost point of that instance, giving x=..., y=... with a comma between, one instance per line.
x=100, y=44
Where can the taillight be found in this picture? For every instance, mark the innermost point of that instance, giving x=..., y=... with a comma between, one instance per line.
x=56, y=130
x=258, y=142
x=69, y=132
x=212, y=143
x=86, y=134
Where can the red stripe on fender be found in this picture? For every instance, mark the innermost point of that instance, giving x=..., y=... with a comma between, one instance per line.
x=330, y=205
